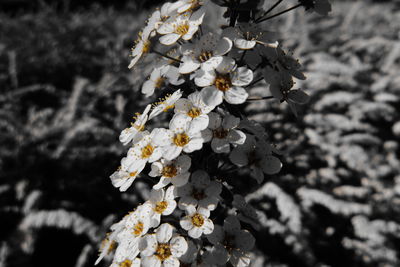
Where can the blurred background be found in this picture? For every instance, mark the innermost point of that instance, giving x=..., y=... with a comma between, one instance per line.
x=66, y=93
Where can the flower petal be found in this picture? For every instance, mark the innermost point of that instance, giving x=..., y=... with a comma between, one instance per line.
x=169, y=39
x=236, y=95
x=212, y=96
x=164, y=233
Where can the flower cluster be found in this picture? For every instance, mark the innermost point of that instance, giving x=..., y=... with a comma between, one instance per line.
x=186, y=221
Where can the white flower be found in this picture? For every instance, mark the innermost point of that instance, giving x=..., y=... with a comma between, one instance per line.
x=231, y=243
x=159, y=77
x=195, y=109
x=246, y=212
x=162, y=248
x=222, y=132
x=245, y=36
x=183, y=135
x=199, y=192
x=183, y=26
x=196, y=222
x=163, y=203
x=203, y=52
x=160, y=16
x=127, y=263
x=123, y=178
x=175, y=171
x=166, y=104
x=223, y=80
x=256, y=155
x=137, y=225
x=142, y=46
x=135, y=132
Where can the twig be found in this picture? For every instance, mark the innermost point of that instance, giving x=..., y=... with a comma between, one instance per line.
x=254, y=82
x=164, y=55
x=280, y=13
x=269, y=10
x=255, y=98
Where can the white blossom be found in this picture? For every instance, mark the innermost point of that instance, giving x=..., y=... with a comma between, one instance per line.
x=166, y=104
x=163, y=203
x=222, y=79
x=222, y=132
x=182, y=135
x=199, y=192
x=231, y=243
x=135, y=132
x=246, y=35
x=203, y=52
x=196, y=222
x=171, y=171
x=182, y=26
x=162, y=248
x=142, y=46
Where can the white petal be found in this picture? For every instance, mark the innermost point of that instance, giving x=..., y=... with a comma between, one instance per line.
x=169, y=39
x=171, y=152
x=298, y=96
x=151, y=261
x=217, y=236
x=171, y=262
x=195, y=232
x=148, y=245
x=180, y=179
x=223, y=47
x=204, y=77
x=186, y=202
x=230, y=122
x=189, y=65
x=245, y=240
x=207, y=227
x=179, y=246
x=157, y=195
x=239, y=157
x=198, y=124
x=220, y=145
x=186, y=223
x=162, y=183
x=212, y=96
x=215, y=120
x=236, y=137
x=271, y=165
x=236, y=95
x=242, y=76
x=212, y=63
x=183, y=162
x=162, y=136
x=170, y=208
x=244, y=44
x=180, y=122
x=227, y=65
x=164, y=233
x=193, y=145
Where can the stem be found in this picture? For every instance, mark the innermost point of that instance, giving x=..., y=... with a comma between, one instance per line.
x=254, y=82
x=255, y=98
x=269, y=10
x=164, y=55
x=280, y=13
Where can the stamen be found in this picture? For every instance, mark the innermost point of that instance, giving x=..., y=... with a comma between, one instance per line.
x=197, y=220
x=181, y=139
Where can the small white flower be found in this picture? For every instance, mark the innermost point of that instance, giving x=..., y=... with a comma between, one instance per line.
x=203, y=52
x=123, y=178
x=222, y=132
x=183, y=26
x=171, y=171
x=163, y=203
x=163, y=248
x=196, y=222
x=159, y=78
x=182, y=135
x=189, y=5
x=256, y=155
x=195, y=109
x=166, y=104
x=245, y=36
x=223, y=80
x=135, y=132
x=142, y=46
x=199, y=192
x=231, y=243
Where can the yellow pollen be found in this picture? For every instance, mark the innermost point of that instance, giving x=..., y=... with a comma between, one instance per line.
x=204, y=56
x=169, y=171
x=138, y=127
x=223, y=82
x=163, y=251
x=147, y=151
x=112, y=245
x=125, y=263
x=132, y=174
x=220, y=133
x=194, y=112
x=138, y=228
x=161, y=206
x=159, y=82
x=168, y=108
x=146, y=47
x=197, y=220
x=181, y=139
x=182, y=28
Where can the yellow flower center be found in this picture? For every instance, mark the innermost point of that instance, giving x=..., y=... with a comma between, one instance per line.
x=198, y=194
x=147, y=151
x=169, y=171
x=220, y=133
x=204, y=56
x=132, y=174
x=194, y=112
x=181, y=139
x=163, y=251
x=182, y=28
x=159, y=82
x=125, y=263
x=138, y=228
x=197, y=220
x=223, y=82
x=161, y=206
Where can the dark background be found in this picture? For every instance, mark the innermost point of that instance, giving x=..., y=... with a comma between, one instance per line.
x=66, y=93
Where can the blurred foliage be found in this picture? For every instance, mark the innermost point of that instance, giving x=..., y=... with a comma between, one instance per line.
x=66, y=93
